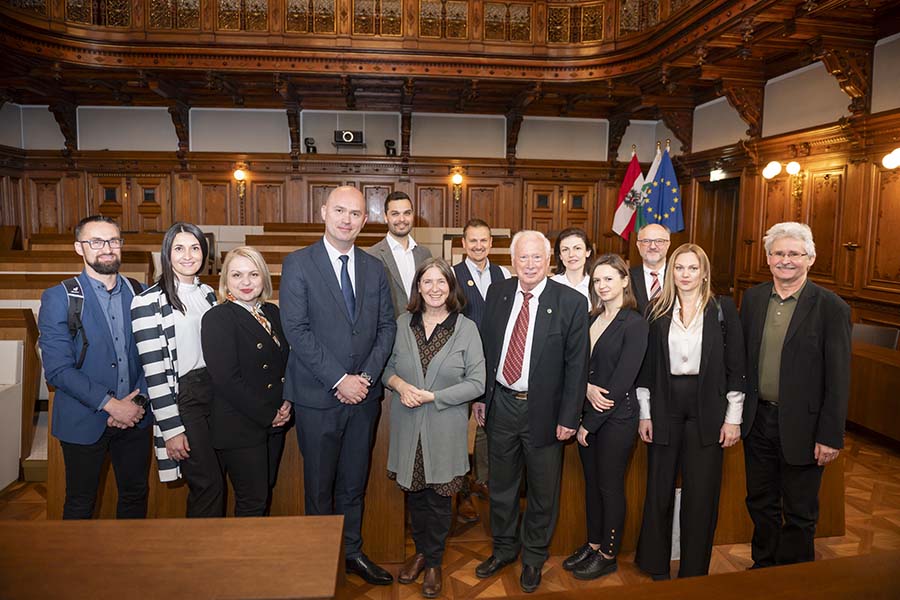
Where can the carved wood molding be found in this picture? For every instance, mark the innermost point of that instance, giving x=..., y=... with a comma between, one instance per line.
x=681, y=122
x=65, y=114
x=747, y=100
x=180, y=113
x=617, y=127
x=851, y=66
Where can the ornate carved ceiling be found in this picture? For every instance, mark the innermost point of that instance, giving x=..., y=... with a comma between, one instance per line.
x=618, y=59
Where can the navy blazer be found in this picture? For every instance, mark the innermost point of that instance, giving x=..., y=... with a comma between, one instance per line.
x=557, y=377
x=722, y=369
x=79, y=391
x=326, y=342
x=814, y=384
x=614, y=365
x=247, y=370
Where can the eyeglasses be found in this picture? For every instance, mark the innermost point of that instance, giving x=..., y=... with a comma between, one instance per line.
x=658, y=242
x=788, y=255
x=97, y=243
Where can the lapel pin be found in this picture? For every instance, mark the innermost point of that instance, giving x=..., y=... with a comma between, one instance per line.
x=471, y=283
x=549, y=311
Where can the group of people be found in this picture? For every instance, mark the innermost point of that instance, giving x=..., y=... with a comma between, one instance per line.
x=598, y=352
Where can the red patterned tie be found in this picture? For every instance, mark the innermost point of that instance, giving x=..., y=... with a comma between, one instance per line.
x=654, y=285
x=512, y=367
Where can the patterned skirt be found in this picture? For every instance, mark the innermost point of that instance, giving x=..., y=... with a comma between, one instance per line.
x=418, y=478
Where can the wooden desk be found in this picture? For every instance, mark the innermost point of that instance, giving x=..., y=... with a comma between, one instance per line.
x=871, y=576
x=273, y=557
x=19, y=324
x=874, y=382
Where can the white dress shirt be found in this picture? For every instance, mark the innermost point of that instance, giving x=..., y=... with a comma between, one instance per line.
x=187, y=326
x=406, y=262
x=584, y=287
x=521, y=384
x=648, y=278
x=334, y=256
x=685, y=352
x=482, y=278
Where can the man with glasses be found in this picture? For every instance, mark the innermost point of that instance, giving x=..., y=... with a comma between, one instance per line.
x=532, y=402
x=647, y=280
x=98, y=406
x=797, y=336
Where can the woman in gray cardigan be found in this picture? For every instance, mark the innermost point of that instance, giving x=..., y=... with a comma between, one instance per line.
x=435, y=370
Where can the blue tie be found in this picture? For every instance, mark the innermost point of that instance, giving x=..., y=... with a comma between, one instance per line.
x=347, y=287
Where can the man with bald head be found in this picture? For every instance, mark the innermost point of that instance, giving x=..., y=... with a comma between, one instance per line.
x=533, y=397
x=338, y=317
x=653, y=244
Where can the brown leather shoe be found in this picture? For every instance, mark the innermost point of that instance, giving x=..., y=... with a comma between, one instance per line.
x=411, y=569
x=465, y=509
x=431, y=584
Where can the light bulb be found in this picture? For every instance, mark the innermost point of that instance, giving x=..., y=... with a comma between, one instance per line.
x=456, y=179
x=892, y=160
x=793, y=167
x=240, y=174
x=772, y=169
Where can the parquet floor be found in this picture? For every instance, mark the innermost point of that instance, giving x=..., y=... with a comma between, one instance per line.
x=872, y=478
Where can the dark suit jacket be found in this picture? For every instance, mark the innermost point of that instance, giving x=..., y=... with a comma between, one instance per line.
x=557, y=379
x=639, y=287
x=615, y=364
x=325, y=341
x=814, y=383
x=399, y=295
x=247, y=371
x=722, y=370
x=79, y=391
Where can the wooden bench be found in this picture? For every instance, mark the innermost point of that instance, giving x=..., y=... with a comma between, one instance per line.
x=374, y=228
x=274, y=557
x=294, y=241
x=143, y=242
x=874, y=381
x=136, y=264
x=10, y=238
x=20, y=324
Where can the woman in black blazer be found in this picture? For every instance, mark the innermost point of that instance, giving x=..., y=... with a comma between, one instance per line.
x=691, y=394
x=609, y=422
x=246, y=354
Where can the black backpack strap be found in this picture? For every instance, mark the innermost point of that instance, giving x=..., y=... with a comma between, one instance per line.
x=136, y=286
x=75, y=296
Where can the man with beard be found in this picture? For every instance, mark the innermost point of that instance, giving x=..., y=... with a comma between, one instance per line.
x=398, y=250
x=90, y=357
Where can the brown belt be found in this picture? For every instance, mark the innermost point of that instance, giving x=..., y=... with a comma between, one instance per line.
x=514, y=393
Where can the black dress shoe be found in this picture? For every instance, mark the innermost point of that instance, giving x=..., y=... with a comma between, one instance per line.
x=596, y=565
x=369, y=571
x=577, y=557
x=490, y=566
x=660, y=576
x=530, y=579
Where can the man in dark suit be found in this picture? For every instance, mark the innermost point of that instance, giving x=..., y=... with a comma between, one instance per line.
x=535, y=335
x=97, y=409
x=647, y=279
x=798, y=361
x=339, y=320
x=398, y=250
x=475, y=275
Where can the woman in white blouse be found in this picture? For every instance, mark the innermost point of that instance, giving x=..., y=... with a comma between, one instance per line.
x=166, y=323
x=691, y=394
x=572, y=251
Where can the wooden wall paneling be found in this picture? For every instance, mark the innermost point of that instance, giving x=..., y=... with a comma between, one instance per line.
x=776, y=207
x=541, y=206
x=216, y=202
x=511, y=211
x=431, y=200
x=186, y=199
x=106, y=197
x=150, y=205
x=825, y=193
x=12, y=204
x=45, y=204
x=576, y=206
x=265, y=201
x=714, y=228
x=749, y=243
x=296, y=208
x=483, y=202
x=317, y=194
x=856, y=206
x=375, y=194
x=882, y=275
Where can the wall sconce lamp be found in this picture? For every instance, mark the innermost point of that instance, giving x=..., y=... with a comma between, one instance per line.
x=793, y=168
x=892, y=160
x=456, y=179
x=772, y=169
x=240, y=175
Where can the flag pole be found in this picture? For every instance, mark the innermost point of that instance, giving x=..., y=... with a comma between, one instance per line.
x=633, y=149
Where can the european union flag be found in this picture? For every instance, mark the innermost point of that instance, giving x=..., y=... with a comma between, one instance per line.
x=664, y=197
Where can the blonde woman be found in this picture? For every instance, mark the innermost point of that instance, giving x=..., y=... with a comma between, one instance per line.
x=691, y=394
x=246, y=355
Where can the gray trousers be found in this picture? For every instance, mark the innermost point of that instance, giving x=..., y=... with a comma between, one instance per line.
x=511, y=452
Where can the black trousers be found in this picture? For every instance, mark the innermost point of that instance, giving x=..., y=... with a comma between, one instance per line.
x=253, y=472
x=511, y=453
x=783, y=499
x=431, y=516
x=336, y=444
x=129, y=452
x=701, y=480
x=201, y=470
x=605, y=460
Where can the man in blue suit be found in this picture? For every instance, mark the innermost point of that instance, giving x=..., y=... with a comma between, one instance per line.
x=97, y=407
x=338, y=316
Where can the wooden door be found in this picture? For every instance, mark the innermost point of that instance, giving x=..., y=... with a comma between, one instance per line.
x=715, y=229
x=542, y=205
x=576, y=206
